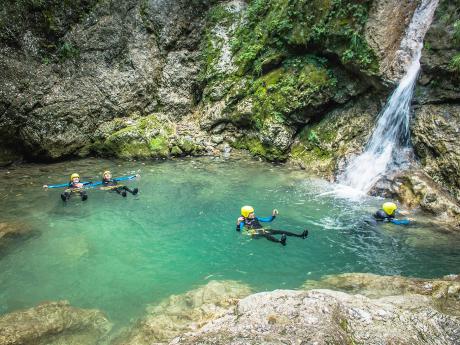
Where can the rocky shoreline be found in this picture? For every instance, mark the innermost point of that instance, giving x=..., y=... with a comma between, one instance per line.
x=374, y=310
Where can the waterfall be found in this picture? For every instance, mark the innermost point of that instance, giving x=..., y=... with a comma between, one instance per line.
x=391, y=133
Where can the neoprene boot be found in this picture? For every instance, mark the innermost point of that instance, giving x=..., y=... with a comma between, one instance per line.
x=283, y=239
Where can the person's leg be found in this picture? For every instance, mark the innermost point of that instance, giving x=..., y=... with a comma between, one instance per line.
x=272, y=238
x=120, y=190
x=132, y=191
x=65, y=196
x=304, y=234
x=83, y=195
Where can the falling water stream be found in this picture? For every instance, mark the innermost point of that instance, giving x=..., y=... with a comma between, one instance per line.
x=388, y=144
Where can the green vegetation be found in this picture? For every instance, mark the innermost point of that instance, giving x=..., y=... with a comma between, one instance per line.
x=278, y=28
x=455, y=63
x=283, y=52
x=299, y=83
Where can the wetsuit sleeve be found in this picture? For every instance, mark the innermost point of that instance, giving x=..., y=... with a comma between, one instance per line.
x=239, y=227
x=266, y=219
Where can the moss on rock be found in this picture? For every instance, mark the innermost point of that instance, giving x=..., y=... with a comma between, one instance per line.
x=256, y=147
x=143, y=137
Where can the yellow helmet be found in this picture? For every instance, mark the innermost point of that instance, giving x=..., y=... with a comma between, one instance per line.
x=74, y=175
x=389, y=208
x=106, y=172
x=246, y=211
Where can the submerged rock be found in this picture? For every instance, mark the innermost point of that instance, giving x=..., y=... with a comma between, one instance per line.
x=328, y=317
x=54, y=323
x=13, y=231
x=184, y=313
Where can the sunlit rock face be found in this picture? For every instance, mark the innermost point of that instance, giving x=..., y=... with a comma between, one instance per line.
x=328, y=317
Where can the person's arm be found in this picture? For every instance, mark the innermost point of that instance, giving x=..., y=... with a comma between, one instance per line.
x=269, y=219
x=240, y=224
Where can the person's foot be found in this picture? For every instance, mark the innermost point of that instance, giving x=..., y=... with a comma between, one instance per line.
x=283, y=239
x=305, y=234
x=84, y=197
x=63, y=197
x=135, y=191
x=123, y=194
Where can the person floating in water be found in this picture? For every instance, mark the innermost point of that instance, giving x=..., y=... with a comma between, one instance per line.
x=112, y=184
x=74, y=186
x=388, y=213
x=252, y=224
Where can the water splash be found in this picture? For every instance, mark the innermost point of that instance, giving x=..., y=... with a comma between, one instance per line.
x=390, y=138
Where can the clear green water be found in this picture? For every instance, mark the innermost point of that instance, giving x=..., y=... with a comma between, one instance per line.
x=119, y=254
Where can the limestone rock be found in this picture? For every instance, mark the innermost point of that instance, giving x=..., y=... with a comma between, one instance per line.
x=384, y=32
x=444, y=292
x=183, y=313
x=435, y=136
x=54, y=323
x=328, y=317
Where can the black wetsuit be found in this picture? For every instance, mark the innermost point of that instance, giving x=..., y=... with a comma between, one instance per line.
x=257, y=230
x=119, y=189
x=382, y=216
x=74, y=189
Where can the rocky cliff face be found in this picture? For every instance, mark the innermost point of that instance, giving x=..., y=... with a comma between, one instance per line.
x=285, y=80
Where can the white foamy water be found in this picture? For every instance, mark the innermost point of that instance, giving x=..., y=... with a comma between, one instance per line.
x=386, y=147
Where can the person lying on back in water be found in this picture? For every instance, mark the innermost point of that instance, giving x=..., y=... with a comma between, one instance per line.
x=253, y=227
x=388, y=213
x=112, y=184
x=75, y=186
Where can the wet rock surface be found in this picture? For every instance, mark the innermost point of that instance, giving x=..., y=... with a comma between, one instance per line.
x=54, y=323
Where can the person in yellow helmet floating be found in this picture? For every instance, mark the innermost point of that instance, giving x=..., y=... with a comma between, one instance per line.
x=74, y=186
x=388, y=213
x=253, y=227
x=110, y=183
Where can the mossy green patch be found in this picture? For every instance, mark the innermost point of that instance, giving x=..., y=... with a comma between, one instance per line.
x=279, y=26
x=159, y=147
x=145, y=137
x=300, y=83
x=257, y=148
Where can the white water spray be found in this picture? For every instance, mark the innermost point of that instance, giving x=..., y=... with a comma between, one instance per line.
x=391, y=133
